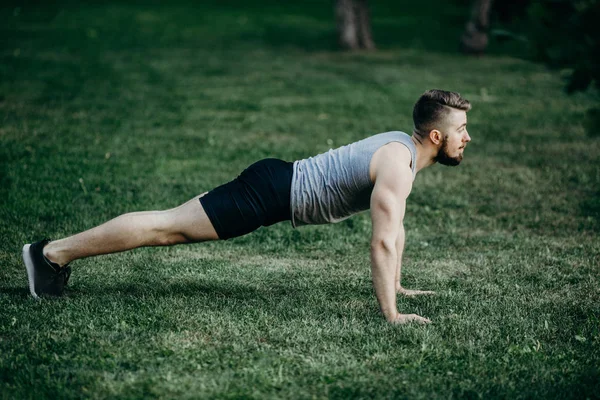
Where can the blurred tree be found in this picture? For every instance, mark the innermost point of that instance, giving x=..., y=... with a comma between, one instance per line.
x=506, y=11
x=354, y=24
x=562, y=33
x=475, y=37
x=566, y=34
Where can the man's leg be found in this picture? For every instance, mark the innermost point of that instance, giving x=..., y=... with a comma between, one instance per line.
x=187, y=223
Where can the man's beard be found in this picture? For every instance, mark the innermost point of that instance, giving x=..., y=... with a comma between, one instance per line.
x=443, y=157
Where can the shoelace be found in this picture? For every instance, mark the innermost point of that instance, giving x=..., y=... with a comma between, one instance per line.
x=64, y=273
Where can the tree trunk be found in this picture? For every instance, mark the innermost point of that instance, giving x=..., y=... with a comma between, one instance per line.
x=364, y=25
x=346, y=24
x=475, y=38
x=354, y=24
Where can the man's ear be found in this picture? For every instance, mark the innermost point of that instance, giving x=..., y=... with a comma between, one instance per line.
x=435, y=136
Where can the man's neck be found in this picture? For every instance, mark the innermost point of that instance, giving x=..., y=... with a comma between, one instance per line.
x=425, y=154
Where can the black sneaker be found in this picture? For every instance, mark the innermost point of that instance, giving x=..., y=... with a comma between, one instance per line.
x=45, y=277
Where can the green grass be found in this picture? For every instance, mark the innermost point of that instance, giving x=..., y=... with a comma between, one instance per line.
x=114, y=107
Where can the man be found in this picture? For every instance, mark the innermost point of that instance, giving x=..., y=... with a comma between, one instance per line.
x=376, y=173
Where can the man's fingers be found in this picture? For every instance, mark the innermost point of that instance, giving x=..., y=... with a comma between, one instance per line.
x=419, y=319
x=406, y=318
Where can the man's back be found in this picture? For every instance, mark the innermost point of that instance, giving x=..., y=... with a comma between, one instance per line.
x=334, y=185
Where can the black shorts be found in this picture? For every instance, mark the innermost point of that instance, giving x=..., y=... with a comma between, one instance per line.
x=259, y=196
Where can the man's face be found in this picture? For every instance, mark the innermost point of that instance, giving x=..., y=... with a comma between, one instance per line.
x=455, y=138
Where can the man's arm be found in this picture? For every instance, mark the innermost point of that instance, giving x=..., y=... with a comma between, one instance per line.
x=388, y=202
x=399, y=251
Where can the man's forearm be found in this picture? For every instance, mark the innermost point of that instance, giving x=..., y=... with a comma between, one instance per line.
x=399, y=252
x=383, y=270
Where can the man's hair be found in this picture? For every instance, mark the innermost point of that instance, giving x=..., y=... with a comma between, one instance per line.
x=433, y=106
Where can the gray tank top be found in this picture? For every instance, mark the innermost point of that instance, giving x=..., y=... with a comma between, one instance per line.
x=332, y=186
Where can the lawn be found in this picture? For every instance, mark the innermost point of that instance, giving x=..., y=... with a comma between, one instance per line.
x=111, y=107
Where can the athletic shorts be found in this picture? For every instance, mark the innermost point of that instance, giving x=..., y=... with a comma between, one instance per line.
x=259, y=196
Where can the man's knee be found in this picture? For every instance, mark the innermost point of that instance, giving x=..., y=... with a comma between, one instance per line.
x=166, y=230
x=187, y=223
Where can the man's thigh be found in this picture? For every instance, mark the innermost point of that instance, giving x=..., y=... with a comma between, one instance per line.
x=189, y=223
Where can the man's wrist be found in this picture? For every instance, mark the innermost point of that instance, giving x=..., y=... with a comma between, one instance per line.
x=390, y=315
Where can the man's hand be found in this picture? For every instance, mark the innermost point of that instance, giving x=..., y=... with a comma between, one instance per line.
x=406, y=318
x=413, y=293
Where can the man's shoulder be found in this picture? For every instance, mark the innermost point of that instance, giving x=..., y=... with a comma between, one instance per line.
x=392, y=159
x=392, y=154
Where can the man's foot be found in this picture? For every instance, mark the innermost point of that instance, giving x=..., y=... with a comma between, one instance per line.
x=45, y=277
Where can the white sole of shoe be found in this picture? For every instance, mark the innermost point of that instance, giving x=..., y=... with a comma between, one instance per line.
x=30, y=269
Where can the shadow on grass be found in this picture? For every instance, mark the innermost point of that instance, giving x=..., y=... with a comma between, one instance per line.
x=178, y=289
x=320, y=301
x=590, y=207
x=13, y=292
x=270, y=290
x=201, y=289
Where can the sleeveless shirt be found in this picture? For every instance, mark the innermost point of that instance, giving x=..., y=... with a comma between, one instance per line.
x=332, y=186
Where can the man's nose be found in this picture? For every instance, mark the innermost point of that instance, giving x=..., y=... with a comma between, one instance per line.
x=467, y=137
